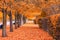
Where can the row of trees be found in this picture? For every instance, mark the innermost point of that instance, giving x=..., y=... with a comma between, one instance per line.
x=47, y=24
x=17, y=21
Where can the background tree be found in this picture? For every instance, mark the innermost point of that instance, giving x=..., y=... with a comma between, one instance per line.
x=57, y=30
x=9, y=7
x=16, y=23
x=4, y=23
x=10, y=18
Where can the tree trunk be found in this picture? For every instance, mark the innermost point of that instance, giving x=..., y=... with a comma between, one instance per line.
x=19, y=23
x=11, y=26
x=24, y=20
x=19, y=20
x=4, y=23
x=16, y=20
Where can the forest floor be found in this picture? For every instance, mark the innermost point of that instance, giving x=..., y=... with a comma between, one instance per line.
x=26, y=32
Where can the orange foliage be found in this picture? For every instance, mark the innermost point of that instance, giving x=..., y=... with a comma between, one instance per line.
x=27, y=7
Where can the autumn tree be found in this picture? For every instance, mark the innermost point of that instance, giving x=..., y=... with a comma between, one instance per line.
x=4, y=23
x=4, y=10
x=56, y=32
x=9, y=5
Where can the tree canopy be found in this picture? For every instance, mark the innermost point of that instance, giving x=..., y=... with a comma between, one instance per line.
x=32, y=7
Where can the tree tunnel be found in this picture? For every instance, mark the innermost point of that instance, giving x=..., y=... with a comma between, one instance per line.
x=41, y=11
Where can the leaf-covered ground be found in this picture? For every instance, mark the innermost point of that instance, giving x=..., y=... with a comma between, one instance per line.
x=26, y=33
